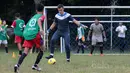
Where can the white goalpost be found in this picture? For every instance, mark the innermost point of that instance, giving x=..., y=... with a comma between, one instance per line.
x=82, y=16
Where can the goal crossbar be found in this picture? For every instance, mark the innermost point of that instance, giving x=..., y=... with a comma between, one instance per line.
x=81, y=7
x=104, y=21
x=101, y=15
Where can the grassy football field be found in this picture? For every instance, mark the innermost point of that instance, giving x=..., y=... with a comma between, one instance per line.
x=78, y=64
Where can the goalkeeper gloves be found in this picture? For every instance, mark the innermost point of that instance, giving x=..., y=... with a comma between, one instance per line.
x=82, y=25
x=48, y=31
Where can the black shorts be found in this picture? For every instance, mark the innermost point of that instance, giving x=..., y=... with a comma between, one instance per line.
x=99, y=43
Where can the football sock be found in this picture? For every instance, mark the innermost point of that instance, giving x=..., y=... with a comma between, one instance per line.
x=52, y=54
x=82, y=47
x=78, y=49
x=68, y=54
x=33, y=49
x=6, y=49
x=37, y=50
x=92, y=49
x=21, y=58
x=20, y=52
x=39, y=57
x=68, y=60
x=101, y=50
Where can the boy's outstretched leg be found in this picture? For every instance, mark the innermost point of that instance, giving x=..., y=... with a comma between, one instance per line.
x=38, y=59
x=22, y=57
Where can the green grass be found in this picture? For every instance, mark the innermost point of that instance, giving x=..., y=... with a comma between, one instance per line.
x=78, y=64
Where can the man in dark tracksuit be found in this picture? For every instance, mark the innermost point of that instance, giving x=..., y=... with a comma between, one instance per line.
x=61, y=20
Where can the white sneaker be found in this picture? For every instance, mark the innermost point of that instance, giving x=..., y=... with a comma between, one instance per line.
x=36, y=68
x=16, y=69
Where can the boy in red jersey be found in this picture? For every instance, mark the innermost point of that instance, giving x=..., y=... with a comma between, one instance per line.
x=18, y=26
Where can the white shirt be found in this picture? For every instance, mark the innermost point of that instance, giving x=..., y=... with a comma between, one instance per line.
x=121, y=31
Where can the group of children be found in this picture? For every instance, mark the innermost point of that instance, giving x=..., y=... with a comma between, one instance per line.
x=31, y=34
x=18, y=25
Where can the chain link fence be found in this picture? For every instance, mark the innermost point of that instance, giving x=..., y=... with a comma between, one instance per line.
x=107, y=26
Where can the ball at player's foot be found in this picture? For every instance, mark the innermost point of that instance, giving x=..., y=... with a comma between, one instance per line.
x=51, y=61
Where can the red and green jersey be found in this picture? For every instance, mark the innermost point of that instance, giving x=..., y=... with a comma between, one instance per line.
x=3, y=34
x=32, y=28
x=18, y=27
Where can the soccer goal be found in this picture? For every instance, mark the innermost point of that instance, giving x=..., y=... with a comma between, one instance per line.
x=109, y=16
